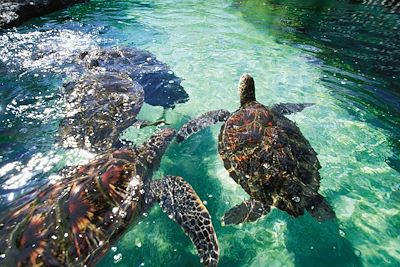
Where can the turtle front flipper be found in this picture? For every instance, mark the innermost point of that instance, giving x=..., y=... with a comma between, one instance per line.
x=179, y=200
x=289, y=108
x=201, y=122
x=319, y=208
x=247, y=211
x=142, y=123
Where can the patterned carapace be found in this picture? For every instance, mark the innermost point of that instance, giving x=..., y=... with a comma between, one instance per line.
x=99, y=106
x=74, y=220
x=267, y=155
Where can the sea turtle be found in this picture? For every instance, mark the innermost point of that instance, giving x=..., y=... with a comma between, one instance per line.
x=267, y=155
x=99, y=106
x=161, y=86
x=75, y=220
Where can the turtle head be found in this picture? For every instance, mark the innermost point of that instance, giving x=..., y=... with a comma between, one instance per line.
x=246, y=89
x=153, y=149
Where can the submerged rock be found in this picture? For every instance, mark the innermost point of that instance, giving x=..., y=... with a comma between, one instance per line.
x=161, y=86
x=13, y=13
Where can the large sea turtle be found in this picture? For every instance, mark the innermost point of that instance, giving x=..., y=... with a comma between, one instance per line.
x=99, y=106
x=161, y=86
x=267, y=155
x=74, y=221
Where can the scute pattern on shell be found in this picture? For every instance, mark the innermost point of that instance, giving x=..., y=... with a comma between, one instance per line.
x=269, y=157
x=162, y=87
x=98, y=107
x=73, y=221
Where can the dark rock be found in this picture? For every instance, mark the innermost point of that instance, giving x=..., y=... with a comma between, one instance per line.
x=15, y=12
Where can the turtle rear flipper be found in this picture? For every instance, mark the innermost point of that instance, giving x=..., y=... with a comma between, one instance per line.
x=201, y=122
x=319, y=208
x=247, y=211
x=289, y=108
x=178, y=199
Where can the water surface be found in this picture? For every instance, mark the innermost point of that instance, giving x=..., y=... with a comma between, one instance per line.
x=341, y=55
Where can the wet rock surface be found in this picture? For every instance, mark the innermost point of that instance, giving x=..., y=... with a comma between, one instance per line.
x=15, y=12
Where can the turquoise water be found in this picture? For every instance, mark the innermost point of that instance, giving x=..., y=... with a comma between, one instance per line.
x=343, y=57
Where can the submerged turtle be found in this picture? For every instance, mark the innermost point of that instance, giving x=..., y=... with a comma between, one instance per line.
x=161, y=86
x=268, y=156
x=74, y=221
x=99, y=106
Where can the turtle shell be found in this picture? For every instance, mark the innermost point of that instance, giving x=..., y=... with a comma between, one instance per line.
x=269, y=157
x=99, y=106
x=76, y=219
x=162, y=87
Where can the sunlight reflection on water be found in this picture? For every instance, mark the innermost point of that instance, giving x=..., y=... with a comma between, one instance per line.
x=210, y=45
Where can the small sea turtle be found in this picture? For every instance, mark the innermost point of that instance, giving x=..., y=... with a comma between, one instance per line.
x=99, y=106
x=74, y=221
x=161, y=86
x=267, y=155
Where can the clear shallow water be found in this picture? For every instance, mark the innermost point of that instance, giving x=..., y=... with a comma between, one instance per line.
x=353, y=126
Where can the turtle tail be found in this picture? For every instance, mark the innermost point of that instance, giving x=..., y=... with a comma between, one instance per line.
x=319, y=208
